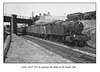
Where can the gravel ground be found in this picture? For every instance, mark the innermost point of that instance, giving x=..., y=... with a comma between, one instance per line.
x=23, y=51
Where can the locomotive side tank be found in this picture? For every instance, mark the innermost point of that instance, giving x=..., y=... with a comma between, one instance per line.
x=55, y=29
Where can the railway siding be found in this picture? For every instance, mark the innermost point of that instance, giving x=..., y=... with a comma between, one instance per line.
x=22, y=51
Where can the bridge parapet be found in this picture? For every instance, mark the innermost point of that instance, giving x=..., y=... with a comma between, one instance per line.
x=23, y=17
x=8, y=15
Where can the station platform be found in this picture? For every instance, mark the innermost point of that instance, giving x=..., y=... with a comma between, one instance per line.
x=24, y=51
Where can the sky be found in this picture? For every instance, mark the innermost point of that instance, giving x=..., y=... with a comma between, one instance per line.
x=55, y=9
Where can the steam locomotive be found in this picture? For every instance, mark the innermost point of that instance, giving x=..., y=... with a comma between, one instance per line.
x=69, y=32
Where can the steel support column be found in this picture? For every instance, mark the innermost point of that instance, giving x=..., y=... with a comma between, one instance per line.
x=14, y=24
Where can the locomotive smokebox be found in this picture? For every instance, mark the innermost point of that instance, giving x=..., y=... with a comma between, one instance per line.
x=78, y=27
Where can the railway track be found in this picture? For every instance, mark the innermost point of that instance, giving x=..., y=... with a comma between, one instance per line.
x=87, y=48
x=76, y=54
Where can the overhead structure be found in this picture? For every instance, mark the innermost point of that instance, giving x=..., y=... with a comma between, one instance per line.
x=14, y=20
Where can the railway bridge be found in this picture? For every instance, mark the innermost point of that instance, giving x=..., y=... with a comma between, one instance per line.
x=14, y=19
